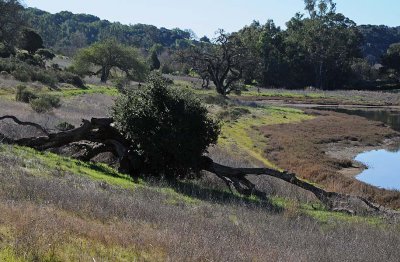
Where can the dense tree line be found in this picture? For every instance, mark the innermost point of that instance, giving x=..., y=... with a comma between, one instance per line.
x=321, y=48
x=377, y=39
x=67, y=32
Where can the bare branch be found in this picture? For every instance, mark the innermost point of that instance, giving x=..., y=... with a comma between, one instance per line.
x=22, y=123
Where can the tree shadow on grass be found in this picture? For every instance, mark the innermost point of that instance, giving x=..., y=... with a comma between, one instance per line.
x=195, y=191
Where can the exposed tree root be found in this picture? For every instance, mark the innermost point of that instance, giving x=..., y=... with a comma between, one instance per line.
x=99, y=136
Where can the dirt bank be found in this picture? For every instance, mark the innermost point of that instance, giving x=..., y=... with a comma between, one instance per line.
x=322, y=149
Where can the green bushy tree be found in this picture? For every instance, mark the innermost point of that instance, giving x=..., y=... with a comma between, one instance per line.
x=30, y=41
x=170, y=127
x=109, y=55
x=392, y=58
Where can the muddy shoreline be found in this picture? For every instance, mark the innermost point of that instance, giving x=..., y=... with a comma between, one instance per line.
x=322, y=150
x=346, y=152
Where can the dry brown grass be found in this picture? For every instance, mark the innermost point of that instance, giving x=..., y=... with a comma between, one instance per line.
x=72, y=110
x=301, y=148
x=68, y=217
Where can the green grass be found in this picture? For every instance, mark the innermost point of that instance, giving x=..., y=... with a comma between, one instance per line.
x=7, y=254
x=318, y=212
x=9, y=93
x=91, y=89
x=42, y=163
x=243, y=133
x=38, y=163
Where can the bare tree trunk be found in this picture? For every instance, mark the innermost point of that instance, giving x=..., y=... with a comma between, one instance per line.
x=105, y=73
x=98, y=135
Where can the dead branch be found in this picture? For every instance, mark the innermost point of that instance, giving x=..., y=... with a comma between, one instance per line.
x=19, y=122
x=99, y=135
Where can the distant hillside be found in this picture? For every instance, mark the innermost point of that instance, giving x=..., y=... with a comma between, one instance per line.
x=377, y=39
x=66, y=31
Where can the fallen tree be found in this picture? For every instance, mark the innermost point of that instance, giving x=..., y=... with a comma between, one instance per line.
x=99, y=135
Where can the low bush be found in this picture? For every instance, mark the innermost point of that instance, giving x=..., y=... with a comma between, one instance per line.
x=6, y=50
x=65, y=126
x=24, y=95
x=45, y=54
x=21, y=75
x=70, y=78
x=25, y=72
x=46, y=77
x=45, y=103
x=234, y=113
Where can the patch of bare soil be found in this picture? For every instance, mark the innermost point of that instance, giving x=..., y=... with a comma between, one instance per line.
x=322, y=151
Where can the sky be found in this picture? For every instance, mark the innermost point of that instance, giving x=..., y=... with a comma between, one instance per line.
x=205, y=17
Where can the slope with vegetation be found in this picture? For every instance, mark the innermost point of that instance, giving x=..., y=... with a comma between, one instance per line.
x=173, y=175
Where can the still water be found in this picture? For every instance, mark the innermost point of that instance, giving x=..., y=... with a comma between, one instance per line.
x=383, y=168
x=389, y=117
x=383, y=165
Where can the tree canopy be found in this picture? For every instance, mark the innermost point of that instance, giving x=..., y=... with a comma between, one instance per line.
x=327, y=40
x=108, y=55
x=392, y=58
x=223, y=61
x=170, y=127
x=66, y=32
x=11, y=21
x=30, y=41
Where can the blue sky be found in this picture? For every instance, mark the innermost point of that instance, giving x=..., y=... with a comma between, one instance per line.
x=206, y=16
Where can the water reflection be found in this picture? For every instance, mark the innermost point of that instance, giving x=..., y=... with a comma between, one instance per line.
x=383, y=165
x=383, y=168
x=389, y=117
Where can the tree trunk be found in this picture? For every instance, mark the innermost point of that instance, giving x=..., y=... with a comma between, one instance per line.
x=99, y=135
x=105, y=73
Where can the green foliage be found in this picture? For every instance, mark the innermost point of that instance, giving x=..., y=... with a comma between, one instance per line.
x=46, y=54
x=205, y=39
x=11, y=21
x=392, y=57
x=24, y=95
x=30, y=59
x=6, y=50
x=321, y=48
x=108, y=55
x=377, y=39
x=222, y=62
x=30, y=41
x=25, y=72
x=45, y=103
x=170, y=127
x=66, y=31
x=45, y=76
x=154, y=62
x=233, y=113
x=21, y=75
x=70, y=78
x=65, y=126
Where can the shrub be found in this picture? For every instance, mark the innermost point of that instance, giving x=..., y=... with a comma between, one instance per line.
x=45, y=54
x=45, y=103
x=6, y=50
x=169, y=126
x=21, y=75
x=45, y=77
x=70, y=78
x=24, y=95
x=65, y=126
x=233, y=113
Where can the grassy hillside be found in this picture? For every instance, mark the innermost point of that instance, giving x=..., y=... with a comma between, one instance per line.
x=54, y=208
x=58, y=209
